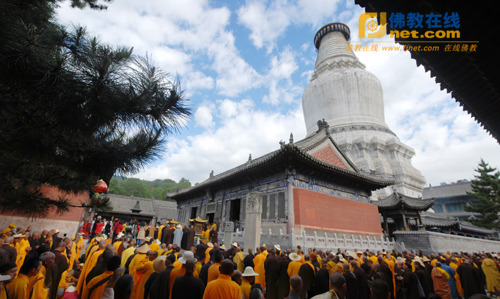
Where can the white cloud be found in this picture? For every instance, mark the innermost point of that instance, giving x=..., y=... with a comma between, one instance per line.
x=197, y=80
x=245, y=130
x=175, y=34
x=268, y=23
x=281, y=87
x=203, y=117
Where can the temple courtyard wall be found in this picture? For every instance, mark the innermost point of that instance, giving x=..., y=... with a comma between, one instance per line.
x=68, y=223
x=440, y=242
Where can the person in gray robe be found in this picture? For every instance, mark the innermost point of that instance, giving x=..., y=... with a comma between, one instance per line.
x=178, y=235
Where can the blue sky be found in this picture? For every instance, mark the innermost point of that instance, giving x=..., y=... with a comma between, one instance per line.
x=244, y=66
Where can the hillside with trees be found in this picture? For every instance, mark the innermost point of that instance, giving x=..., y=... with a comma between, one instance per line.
x=146, y=189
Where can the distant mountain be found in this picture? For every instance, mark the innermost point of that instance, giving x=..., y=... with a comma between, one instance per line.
x=146, y=189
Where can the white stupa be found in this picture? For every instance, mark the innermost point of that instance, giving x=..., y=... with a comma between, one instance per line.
x=350, y=99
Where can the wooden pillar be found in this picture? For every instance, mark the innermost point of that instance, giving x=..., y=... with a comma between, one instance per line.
x=386, y=226
x=404, y=220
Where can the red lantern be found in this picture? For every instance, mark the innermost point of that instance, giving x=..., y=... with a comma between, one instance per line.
x=100, y=187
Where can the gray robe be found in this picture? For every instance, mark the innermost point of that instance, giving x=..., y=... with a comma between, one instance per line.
x=177, y=237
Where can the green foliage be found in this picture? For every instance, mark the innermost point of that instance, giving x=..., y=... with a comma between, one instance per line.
x=146, y=189
x=486, y=188
x=73, y=109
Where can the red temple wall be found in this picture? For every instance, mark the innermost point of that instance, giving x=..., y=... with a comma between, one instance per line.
x=67, y=223
x=324, y=212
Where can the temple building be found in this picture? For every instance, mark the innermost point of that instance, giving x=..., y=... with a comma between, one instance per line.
x=450, y=199
x=350, y=99
x=303, y=183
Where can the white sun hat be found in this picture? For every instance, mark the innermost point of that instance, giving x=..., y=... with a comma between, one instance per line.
x=249, y=272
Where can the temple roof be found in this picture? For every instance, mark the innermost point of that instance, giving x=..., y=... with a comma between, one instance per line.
x=289, y=156
x=397, y=201
x=449, y=190
x=471, y=76
x=435, y=220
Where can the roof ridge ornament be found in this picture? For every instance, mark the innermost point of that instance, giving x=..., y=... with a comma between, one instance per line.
x=211, y=174
x=322, y=125
x=250, y=158
x=291, y=138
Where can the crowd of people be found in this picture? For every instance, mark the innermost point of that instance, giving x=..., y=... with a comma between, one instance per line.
x=164, y=262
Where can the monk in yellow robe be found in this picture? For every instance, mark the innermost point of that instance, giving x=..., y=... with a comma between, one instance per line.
x=454, y=265
x=238, y=260
x=258, y=262
x=154, y=246
x=38, y=281
x=159, y=233
x=142, y=273
x=293, y=266
x=8, y=229
x=22, y=248
x=90, y=262
x=128, y=252
x=207, y=252
x=95, y=288
x=162, y=249
x=141, y=254
x=490, y=269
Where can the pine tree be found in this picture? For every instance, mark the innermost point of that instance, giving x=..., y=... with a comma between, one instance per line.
x=486, y=188
x=73, y=109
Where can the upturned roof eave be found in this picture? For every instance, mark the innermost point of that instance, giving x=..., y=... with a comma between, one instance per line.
x=274, y=158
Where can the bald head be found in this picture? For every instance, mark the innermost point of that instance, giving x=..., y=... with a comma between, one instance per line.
x=190, y=265
x=337, y=281
x=353, y=264
x=226, y=267
x=236, y=277
x=296, y=283
x=346, y=267
x=102, y=244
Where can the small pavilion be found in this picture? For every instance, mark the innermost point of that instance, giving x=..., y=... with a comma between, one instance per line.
x=401, y=208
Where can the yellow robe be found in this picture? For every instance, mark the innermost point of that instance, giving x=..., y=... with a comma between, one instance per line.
x=97, y=293
x=458, y=284
x=159, y=231
x=258, y=262
x=197, y=267
x=142, y=273
x=332, y=268
x=74, y=255
x=207, y=254
x=18, y=289
x=21, y=252
x=126, y=254
x=492, y=274
x=117, y=244
x=245, y=287
x=238, y=260
x=154, y=247
x=293, y=269
x=39, y=289
x=89, y=264
x=135, y=263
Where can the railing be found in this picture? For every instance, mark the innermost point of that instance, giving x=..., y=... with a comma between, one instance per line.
x=321, y=241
